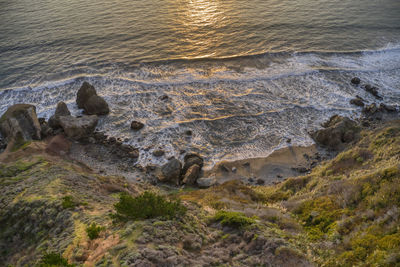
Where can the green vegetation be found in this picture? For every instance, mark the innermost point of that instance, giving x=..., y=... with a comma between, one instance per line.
x=233, y=219
x=147, y=205
x=54, y=260
x=93, y=231
x=68, y=202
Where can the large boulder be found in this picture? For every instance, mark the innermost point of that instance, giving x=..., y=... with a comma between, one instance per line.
x=191, y=159
x=84, y=93
x=78, y=128
x=61, y=110
x=96, y=105
x=337, y=132
x=20, y=121
x=191, y=175
x=171, y=172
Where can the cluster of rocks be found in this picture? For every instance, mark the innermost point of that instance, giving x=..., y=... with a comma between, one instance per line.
x=371, y=109
x=174, y=173
x=20, y=123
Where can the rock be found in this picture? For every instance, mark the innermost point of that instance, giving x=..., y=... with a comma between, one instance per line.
x=370, y=109
x=20, y=120
x=372, y=90
x=191, y=159
x=188, y=132
x=136, y=125
x=338, y=131
x=191, y=175
x=84, y=93
x=158, y=153
x=260, y=181
x=61, y=110
x=58, y=145
x=206, y=182
x=96, y=105
x=355, y=80
x=171, y=172
x=357, y=101
x=78, y=128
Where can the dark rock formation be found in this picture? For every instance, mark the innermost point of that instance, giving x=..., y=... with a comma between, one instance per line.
x=78, y=128
x=20, y=120
x=171, y=172
x=191, y=159
x=158, y=153
x=85, y=92
x=191, y=175
x=358, y=101
x=355, y=80
x=136, y=125
x=61, y=110
x=336, y=133
x=96, y=105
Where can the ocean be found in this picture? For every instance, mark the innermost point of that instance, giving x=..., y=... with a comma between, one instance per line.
x=242, y=76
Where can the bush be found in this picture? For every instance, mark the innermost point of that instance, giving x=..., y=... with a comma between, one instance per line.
x=68, y=202
x=94, y=230
x=54, y=259
x=147, y=205
x=233, y=219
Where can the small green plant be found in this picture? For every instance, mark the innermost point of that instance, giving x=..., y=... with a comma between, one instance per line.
x=94, y=230
x=68, y=202
x=147, y=205
x=54, y=259
x=233, y=219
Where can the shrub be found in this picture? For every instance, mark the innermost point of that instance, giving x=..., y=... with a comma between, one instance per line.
x=147, y=205
x=68, y=202
x=233, y=219
x=94, y=230
x=54, y=259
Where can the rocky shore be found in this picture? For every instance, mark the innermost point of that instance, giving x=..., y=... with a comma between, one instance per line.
x=43, y=163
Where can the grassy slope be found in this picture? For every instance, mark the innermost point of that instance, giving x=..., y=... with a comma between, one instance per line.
x=345, y=213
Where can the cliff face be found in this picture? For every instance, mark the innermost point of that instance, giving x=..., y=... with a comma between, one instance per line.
x=344, y=213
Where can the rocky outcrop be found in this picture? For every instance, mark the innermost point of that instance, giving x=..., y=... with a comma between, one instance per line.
x=78, y=128
x=96, y=105
x=85, y=92
x=373, y=91
x=20, y=121
x=337, y=132
x=171, y=172
x=61, y=110
x=88, y=99
x=191, y=175
x=191, y=159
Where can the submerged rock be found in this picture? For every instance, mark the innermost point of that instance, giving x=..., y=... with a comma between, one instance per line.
x=61, y=110
x=336, y=133
x=20, y=121
x=355, y=80
x=171, y=172
x=358, y=101
x=96, y=105
x=78, y=128
x=136, y=125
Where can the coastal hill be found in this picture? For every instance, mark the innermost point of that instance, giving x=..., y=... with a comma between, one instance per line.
x=59, y=207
